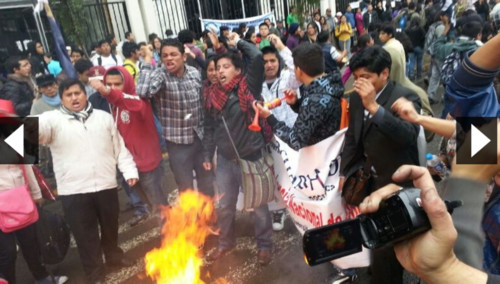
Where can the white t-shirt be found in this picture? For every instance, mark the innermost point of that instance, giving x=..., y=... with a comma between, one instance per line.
x=108, y=62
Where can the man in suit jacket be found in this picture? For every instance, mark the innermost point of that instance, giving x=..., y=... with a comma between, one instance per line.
x=370, y=17
x=377, y=134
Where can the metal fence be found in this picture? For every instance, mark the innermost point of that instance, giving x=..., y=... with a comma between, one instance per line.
x=104, y=18
x=184, y=14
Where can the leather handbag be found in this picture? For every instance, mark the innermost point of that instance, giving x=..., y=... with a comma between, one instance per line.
x=17, y=209
x=257, y=177
x=358, y=185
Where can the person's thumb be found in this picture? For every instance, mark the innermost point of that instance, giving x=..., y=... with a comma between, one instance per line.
x=439, y=218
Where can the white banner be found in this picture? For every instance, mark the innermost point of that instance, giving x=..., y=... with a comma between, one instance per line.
x=308, y=181
x=210, y=24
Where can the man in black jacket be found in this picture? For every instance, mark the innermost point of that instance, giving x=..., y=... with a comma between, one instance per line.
x=319, y=106
x=20, y=87
x=376, y=135
x=370, y=17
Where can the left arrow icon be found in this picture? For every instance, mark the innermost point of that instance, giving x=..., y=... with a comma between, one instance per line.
x=16, y=140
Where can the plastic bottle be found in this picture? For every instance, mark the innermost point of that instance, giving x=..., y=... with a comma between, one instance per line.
x=435, y=163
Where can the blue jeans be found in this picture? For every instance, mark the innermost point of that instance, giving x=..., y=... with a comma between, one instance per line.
x=228, y=177
x=434, y=80
x=416, y=57
x=151, y=184
x=139, y=207
x=184, y=158
x=345, y=45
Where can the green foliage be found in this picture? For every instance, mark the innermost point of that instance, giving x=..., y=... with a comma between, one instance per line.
x=71, y=20
x=303, y=5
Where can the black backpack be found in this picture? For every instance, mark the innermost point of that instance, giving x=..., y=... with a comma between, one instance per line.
x=451, y=63
x=99, y=59
x=53, y=236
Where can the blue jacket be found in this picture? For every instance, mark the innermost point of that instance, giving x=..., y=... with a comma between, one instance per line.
x=350, y=19
x=471, y=92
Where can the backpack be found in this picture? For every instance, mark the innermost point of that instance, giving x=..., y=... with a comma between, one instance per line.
x=99, y=59
x=451, y=63
x=134, y=73
x=402, y=22
x=430, y=38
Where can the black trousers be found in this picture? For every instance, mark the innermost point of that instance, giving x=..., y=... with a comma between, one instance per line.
x=184, y=158
x=85, y=213
x=28, y=243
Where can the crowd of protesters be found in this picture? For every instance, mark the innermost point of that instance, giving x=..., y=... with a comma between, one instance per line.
x=134, y=104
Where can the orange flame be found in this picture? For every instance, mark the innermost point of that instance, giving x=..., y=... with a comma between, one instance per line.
x=179, y=258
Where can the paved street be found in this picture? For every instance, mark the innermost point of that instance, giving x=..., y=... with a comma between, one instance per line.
x=241, y=266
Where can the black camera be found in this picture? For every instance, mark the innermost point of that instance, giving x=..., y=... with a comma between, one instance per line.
x=399, y=217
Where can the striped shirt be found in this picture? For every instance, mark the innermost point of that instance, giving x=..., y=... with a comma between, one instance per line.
x=179, y=100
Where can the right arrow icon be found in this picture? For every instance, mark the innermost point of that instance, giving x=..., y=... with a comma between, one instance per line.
x=478, y=141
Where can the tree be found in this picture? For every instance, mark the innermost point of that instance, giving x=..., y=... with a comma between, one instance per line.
x=72, y=21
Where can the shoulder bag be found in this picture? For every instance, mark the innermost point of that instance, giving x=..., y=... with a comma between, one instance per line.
x=257, y=177
x=358, y=185
x=17, y=209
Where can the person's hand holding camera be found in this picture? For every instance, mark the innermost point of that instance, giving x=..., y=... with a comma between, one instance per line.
x=429, y=255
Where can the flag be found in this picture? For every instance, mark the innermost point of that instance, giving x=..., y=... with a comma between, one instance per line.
x=59, y=44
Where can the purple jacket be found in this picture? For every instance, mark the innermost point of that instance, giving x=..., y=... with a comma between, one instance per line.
x=292, y=42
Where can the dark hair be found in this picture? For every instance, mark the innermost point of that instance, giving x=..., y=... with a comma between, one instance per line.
x=169, y=32
x=13, y=62
x=172, y=42
x=309, y=58
x=242, y=25
x=114, y=71
x=388, y=28
x=68, y=83
x=363, y=41
x=412, y=6
x=405, y=40
x=141, y=44
x=185, y=36
x=316, y=13
x=388, y=6
x=110, y=38
x=323, y=37
x=375, y=59
x=76, y=50
x=128, y=48
x=291, y=8
x=32, y=47
x=83, y=65
x=269, y=50
x=263, y=24
x=127, y=34
x=233, y=57
x=223, y=28
x=151, y=37
x=249, y=33
x=471, y=29
x=314, y=25
x=210, y=59
x=101, y=42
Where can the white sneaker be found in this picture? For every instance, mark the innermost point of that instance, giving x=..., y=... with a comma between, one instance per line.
x=278, y=220
x=60, y=279
x=342, y=278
